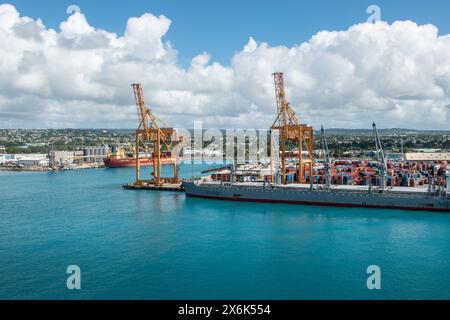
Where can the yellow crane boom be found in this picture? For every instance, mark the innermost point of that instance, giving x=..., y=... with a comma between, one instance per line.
x=292, y=130
x=149, y=139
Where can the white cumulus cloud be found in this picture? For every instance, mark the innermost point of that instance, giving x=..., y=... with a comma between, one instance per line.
x=79, y=76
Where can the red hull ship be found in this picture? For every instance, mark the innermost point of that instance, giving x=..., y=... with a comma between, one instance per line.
x=118, y=158
x=112, y=162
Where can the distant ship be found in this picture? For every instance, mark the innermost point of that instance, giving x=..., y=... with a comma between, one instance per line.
x=118, y=158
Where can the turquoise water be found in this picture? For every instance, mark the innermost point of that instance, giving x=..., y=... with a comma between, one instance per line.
x=150, y=245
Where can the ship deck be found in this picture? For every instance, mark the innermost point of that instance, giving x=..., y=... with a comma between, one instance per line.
x=420, y=190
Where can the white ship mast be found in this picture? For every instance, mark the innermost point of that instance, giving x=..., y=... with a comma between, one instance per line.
x=324, y=147
x=275, y=162
x=447, y=177
x=381, y=159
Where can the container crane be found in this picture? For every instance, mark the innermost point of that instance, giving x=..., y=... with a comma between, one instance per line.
x=291, y=130
x=150, y=138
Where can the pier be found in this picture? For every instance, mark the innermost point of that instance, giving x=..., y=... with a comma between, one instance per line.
x=165, y=187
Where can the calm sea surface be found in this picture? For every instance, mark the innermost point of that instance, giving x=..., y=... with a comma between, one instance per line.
x=162, y=245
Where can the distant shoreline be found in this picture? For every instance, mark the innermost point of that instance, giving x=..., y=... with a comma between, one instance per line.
x=48, y=169
x=25, y=169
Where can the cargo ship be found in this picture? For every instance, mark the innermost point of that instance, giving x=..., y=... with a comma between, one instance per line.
x=241, y=186
x=118, y=158
x=343, y=196
x=308, y=184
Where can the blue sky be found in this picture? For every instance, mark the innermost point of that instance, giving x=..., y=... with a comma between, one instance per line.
x=393, y=72
x=223, y=27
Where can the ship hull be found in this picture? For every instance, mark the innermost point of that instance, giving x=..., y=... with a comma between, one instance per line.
x=131, y=162
x=405, y=201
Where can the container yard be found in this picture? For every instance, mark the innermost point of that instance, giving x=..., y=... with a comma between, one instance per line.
x=348, y=172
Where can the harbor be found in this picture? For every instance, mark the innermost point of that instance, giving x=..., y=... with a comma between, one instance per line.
x=296, y=167
x=293, y=162
x=224, y=159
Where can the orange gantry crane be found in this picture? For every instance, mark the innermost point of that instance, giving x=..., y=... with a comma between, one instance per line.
x=150, y=138
x=292, y=132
